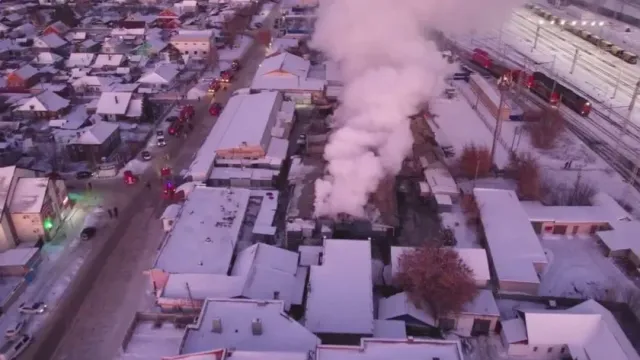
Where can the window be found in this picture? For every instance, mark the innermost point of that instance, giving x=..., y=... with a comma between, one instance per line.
x=447, y=324
x=560, y=230
x=195, y=52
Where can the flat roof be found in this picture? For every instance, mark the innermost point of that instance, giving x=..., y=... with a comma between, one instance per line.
x=340, y=295
x=6, y=176
x=149, y=342
x=405, y=349
x=17, y=256
x=205, y=233
x=237, y=317
x=268, y=206
x=29, y=195
x=512, y=242
x=244, y=119
x=474, y=258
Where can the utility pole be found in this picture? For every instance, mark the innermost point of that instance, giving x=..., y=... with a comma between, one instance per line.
x=498, y=128
x=575, y=61
x=535, y=40
x=632, y=179
x=615, y=89
x=634, y=96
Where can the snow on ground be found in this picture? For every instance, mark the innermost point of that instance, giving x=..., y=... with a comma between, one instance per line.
x=465, y=233
x=238, y=51
x=136, y=166
x=578, y=268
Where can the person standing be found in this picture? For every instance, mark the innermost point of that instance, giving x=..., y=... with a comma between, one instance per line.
x=110, y=213
x=115, y=211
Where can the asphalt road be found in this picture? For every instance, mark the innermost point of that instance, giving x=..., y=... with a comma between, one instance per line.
x=94, y=314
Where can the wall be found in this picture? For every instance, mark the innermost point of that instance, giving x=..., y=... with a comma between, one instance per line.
x=548, y=227
x=28, y=227
x=179, y=305
x=464, y=323
x=7, y=239
x=527, y=288
x=197, y=48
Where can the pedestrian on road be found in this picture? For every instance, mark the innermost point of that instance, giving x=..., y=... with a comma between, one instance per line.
x=148, y=185
x=115, y=211
x=89, y=186
x=110, y=214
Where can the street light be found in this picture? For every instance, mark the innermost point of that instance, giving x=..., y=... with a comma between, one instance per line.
x=535, y=40
x=574, y=23
x=562, y=22
x=601, y=23
x=584, y=23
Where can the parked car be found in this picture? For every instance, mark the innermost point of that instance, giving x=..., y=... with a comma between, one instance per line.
x=88, y=232
x=235, y=65
x=12, y=349
x=146, y=155
x=171, y=119
x=215, y=109
x=80, y=175
x=161, y=142
x=14, y=330
x=37, y=307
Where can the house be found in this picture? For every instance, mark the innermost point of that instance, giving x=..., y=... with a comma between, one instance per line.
x=59, y=28
x=247, y=325
x=36, y=208
x=150, y=47
x=109, y=61
x=93, y=84
x=585, y=331
x=517, y=257
x=129, y=35
x=19, y=261
x=25, y=30
x=47, y=104
x=339, y=306
x=163, y=76
x=47, y=58
x=479, y=317
x=114, y=106
x=260, y=272
x=48, y=42
x=196, y=43
x=94, y=143
x=80, y=60
x=288, y=73
x=230, y=144
x=4, y=30
x=9, y=177
x=23, y=78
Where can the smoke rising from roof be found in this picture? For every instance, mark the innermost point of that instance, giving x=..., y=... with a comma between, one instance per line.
x=389, y=70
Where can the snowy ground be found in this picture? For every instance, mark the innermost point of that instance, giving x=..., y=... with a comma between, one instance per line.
x=237, y=52
x=578, y=269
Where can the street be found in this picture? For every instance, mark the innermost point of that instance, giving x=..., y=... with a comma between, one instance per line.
x=93, y=315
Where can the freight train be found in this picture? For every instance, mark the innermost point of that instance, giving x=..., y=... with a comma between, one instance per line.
x=572, y=27
x=548, y=89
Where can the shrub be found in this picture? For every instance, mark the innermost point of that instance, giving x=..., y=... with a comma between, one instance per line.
x=544, y=127
x=436, y=280
x=475, y=161
x=470, y=208
x=525, y=169
x=579, y=193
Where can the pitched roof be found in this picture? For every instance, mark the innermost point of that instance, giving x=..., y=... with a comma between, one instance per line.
x=80, y=59
x=52, y=40
x=47, y=58
x=97, y=133
x=114, y=103
x=162, y=74
x=45, y=101
x=26, y=72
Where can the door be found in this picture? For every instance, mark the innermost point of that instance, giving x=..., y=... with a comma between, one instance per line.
x=480, y=327
x=537, y=227
x=575, y=229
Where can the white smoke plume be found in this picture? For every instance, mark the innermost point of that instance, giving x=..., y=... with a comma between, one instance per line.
x=389, y=70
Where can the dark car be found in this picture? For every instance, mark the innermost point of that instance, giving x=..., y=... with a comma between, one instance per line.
x=171, y=119
x=83, y=175
x=88, y=232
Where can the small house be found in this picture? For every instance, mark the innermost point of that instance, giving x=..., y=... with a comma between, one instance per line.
x=23, y=78
x=47, y=105
x=94, y=143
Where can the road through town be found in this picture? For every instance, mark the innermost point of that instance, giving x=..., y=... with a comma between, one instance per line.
x=94, y=314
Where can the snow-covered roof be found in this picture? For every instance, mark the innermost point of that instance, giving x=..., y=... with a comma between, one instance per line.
x=400, y=305
x=114, y=103
x=26, y=72
x=97, y=133
x=405, y=349
x=6, y=177
x=332, y=72
x=285, y=72
x=80, y=59
x=237, y=319
x=340, y=296
x=47, y=58
x=512, y=242
x=29, y=195
x=92, y=80
x=163, y=74
x=45, y=101
x=192, y=35
x=440, y=181
x=389, y=329
x=588, y=329
x=514, y=330
x=128, y=32
x=475, y=259
x=245, y=118
x=204, y=235
x=108, y=60
x=484, y=304
x=17, y=256
x=309, y=254
x=49, y=41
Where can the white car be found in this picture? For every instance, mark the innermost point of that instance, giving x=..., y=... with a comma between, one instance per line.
x=15, y=329
x=146, y=155
x=161, y=142
x=37, y=307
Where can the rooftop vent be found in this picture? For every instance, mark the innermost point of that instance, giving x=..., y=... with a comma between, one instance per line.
x=276, y=295
x=116, y=99
x=256, y=327
x=216, y=326
x=320, y=255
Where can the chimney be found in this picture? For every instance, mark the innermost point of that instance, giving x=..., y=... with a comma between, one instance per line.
x=116, y=99
x=276, y=295
x=320, y=255
x=256, y=327
x=216, y=326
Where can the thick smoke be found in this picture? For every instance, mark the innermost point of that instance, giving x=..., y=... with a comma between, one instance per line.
x=389, y=70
